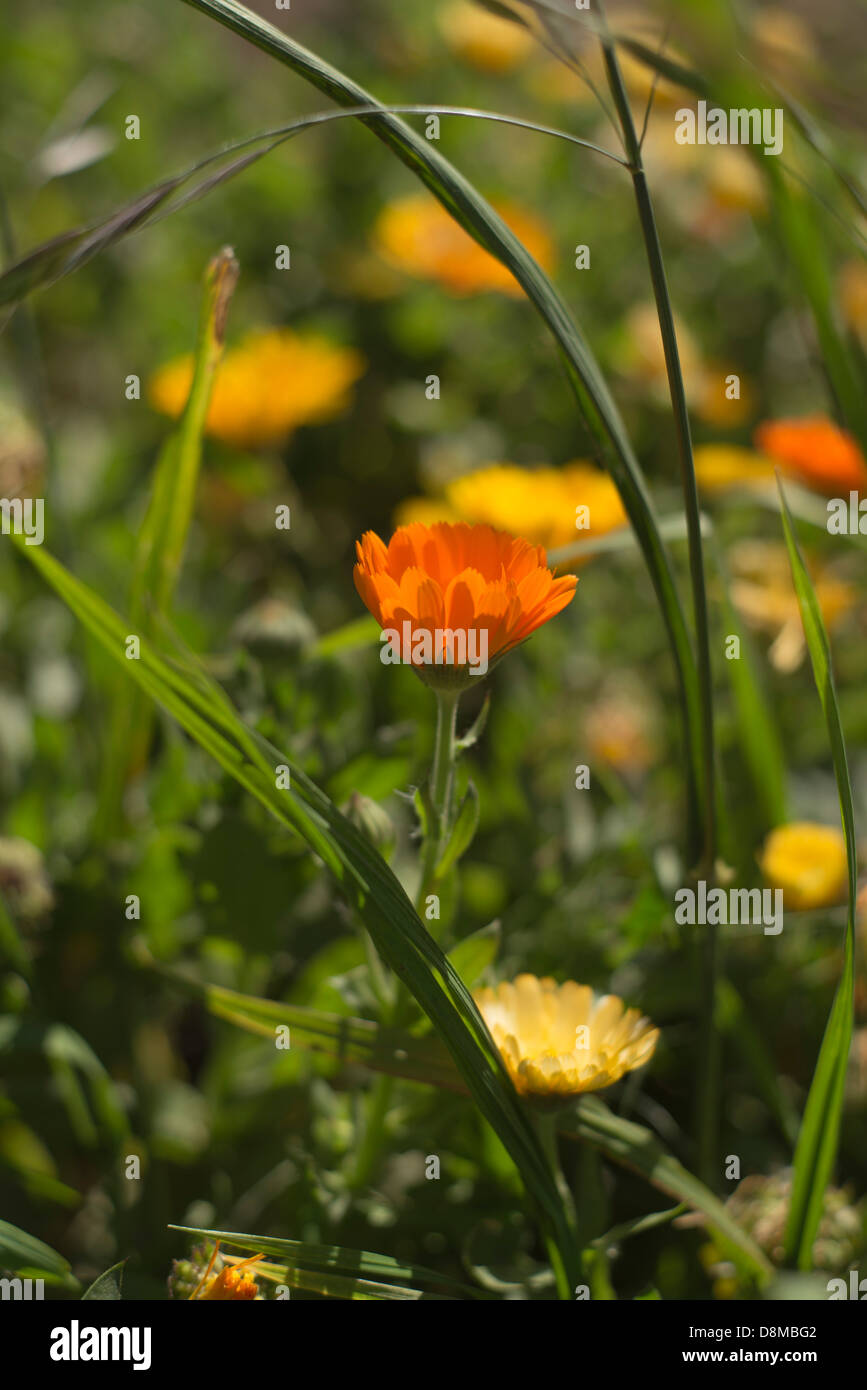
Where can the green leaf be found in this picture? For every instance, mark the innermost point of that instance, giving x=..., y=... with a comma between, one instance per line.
x=819, y=1135
x=476, y=729
x=472, y=956
x=107, y=1287
x=11, y=944
x=24, y=1254
x=162, y=539
x=463, y=832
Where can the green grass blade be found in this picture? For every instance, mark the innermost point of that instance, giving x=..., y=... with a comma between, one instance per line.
x=24, y=1255
x=477, y=217
x=337, y=1259
x=758, y=732
x=161, y=542
x=816, y=1148
x=363, y=876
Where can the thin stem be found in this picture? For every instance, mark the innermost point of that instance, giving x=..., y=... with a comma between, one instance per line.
x=439, y=790
x=545, y=1124
x=439, y=807
x=708, y=1074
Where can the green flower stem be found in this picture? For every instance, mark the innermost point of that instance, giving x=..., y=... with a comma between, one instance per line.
x=439, y=790
x=436, y=838
x=545, y=1124
x=707, y=1090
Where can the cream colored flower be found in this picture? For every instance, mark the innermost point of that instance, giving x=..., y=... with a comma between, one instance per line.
x=763, y=593
x=562, y=1040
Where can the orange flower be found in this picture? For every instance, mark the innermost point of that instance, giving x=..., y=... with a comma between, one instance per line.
x=232, y=1282
x=445, y=593
x=815, y=451
x=417, y=235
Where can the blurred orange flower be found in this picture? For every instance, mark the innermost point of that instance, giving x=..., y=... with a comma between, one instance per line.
x=417, y=235
x=815, y=451
x=273, y=381
x=450, y=579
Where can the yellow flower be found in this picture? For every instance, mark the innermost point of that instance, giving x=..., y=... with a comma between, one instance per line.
x=417, y=235
x=719, y=467
x=562, y=1040
x=540, y=504
x=808, y=862
x=735, y=182
x=483, y=39
x=711, y=401
x=426, y=510
x=274, y=381
x=762, y=591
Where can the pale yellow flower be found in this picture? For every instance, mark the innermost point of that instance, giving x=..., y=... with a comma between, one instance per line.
x=734, y=180
x=562, y=1040
x=808, y=862
x=416, y=234
x=620, y=729
x=483, y=39
x=274, y=381
x=763, y=593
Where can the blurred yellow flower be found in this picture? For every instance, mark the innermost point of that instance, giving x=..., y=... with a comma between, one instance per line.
x=808, y=862
x=719, y=467
x=783, y=41
x=712, y=398
x=417, y=235
x=708, y=385
x=426, y=510
x=481, y=38
x=274, y=381
x=763, y=592
x=734, y=181
x=553, y=507
x=562, y=1040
